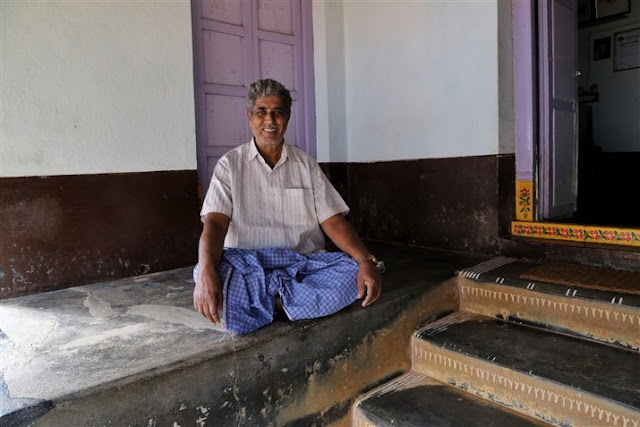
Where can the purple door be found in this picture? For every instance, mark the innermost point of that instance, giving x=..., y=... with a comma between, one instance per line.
x=236, y=43
x=558, y=107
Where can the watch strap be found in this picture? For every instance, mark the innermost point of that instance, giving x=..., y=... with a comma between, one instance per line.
x=368, y=257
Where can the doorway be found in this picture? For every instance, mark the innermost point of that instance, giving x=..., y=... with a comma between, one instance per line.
x=609, y=115
x=589, y=111
x=607, y=206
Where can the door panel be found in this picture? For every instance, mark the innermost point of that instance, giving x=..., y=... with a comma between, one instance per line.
x=276, y=16
x=236, y=43
x=230, y=71
x=564, y=51
x=558, y=108
x=563, y=130
x=222, y=11
x=277, y=59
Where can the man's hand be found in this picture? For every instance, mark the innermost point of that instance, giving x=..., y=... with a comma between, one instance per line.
x=207, y=295
x=344, y=236
x=369, y=279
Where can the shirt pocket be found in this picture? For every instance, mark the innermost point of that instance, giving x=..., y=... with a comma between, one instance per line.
x=298, y=207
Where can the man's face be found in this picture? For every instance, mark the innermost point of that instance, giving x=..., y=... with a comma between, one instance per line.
x=268, y=121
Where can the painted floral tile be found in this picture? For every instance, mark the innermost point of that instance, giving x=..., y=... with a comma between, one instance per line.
x=581, y=233
x=524, y=200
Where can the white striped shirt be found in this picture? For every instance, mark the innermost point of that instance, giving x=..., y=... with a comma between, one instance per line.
x=272, y=208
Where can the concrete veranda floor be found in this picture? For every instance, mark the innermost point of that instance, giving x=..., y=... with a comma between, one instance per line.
x=70, y=354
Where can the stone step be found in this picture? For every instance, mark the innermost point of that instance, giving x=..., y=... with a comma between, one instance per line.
x=553, y=377
x=413, y=399
x=495, y=289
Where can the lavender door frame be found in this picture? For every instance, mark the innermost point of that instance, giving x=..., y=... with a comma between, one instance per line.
x=526, y=132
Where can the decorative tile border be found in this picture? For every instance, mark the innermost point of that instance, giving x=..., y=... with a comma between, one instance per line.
x=525, y=202
x=577, y=233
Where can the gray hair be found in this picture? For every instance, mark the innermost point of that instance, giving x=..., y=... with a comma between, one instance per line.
x=268, y=87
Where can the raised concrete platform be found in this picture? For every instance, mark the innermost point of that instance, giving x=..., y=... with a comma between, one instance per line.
x=135, y=352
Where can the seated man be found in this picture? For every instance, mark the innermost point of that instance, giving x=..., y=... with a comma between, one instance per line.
x=262, y=243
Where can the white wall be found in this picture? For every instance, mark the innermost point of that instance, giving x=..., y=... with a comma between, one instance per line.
x=331, y=123
x=96, y=87
x=421, y=79
x=616, y=115
x=507, y=124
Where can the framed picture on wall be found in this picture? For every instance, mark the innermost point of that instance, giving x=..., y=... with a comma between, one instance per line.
x=626, y=50
x=605, y=8
x=602, y=48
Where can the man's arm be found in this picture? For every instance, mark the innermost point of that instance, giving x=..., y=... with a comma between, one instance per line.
x=207, y=295
x=345, y=237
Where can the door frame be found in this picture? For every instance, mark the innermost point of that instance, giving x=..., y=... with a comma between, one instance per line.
x=525, y=102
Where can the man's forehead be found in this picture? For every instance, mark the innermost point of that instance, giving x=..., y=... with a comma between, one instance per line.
x=269, y=102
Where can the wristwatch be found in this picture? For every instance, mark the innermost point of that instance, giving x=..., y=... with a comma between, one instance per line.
x=368, y=257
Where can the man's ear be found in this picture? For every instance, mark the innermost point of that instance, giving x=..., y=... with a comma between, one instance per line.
x=248, y=115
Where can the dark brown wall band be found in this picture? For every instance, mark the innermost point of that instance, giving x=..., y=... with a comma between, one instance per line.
x=61, y=231
x=462, y=203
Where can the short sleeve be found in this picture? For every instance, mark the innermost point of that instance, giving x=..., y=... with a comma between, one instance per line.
x=219, y=196
x=327, y=200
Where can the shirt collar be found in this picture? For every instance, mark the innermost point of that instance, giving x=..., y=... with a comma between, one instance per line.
x=253, y=152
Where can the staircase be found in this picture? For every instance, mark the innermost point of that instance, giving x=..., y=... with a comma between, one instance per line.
x=518, y=353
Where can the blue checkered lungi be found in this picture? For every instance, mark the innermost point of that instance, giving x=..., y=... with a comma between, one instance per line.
x=310, y=285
